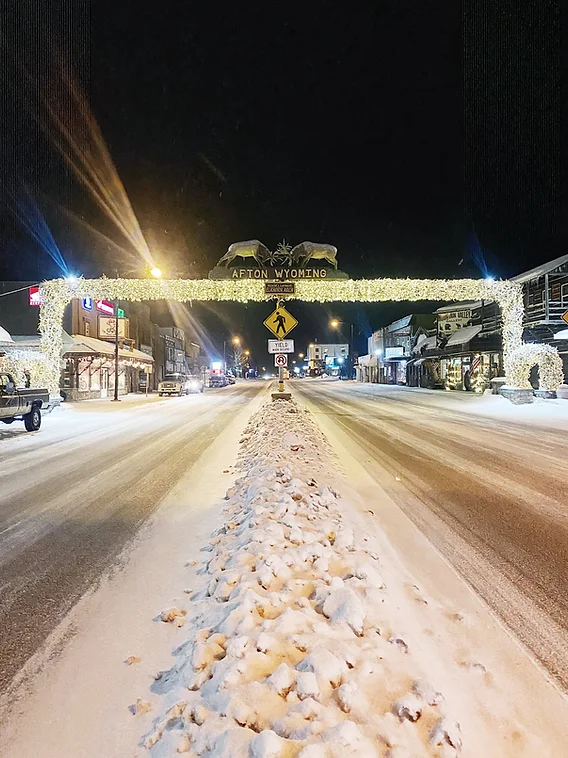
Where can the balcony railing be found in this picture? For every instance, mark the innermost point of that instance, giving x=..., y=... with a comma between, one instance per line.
x=536, y=312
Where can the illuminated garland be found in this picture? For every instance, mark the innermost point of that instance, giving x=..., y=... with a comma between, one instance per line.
x=15, y=362
x=546, y=357
x=57, y=293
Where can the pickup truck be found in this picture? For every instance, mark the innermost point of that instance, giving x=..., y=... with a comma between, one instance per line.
x=179, y=384
x=21, y=404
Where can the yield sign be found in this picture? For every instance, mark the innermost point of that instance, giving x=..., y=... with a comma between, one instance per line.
x=280, y=322
x=565, y=316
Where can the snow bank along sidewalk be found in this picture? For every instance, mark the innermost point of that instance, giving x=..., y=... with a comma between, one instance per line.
x=294, y=644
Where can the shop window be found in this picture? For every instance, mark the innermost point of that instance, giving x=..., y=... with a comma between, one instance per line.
x=564, y=290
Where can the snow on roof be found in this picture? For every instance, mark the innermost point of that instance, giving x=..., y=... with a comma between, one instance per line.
x=544, y=268
x=461, y=336
x=82, y=345
x=399, y=323
x=5, y=338
x=459, y=306
x=428, y=343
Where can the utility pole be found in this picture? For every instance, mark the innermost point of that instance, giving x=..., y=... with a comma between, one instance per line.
x=116, y=399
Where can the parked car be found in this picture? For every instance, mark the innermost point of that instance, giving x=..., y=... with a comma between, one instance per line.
x=231, y=379
x=218, y=380
x=174, y=384
x=25, y=405
x=195, y=384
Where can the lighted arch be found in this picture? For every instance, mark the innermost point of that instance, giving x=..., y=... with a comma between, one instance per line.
x=57, y=293
x=525, y=357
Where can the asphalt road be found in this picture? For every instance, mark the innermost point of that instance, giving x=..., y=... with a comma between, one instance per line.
x=73, y=496
x=490, y=494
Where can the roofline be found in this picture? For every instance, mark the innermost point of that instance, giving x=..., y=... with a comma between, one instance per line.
x=537, y=271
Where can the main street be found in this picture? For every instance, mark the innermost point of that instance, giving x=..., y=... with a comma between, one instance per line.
x=74, y=495
x=486, y=484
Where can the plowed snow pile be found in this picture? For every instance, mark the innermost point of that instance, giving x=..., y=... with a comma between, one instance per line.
x=293, y=645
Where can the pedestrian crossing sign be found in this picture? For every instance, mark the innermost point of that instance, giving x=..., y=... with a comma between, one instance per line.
x=280, y=322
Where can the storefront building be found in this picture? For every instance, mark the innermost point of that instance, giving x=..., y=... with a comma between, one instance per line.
x=89, y=368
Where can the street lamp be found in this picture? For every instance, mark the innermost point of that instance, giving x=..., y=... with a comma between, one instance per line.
x=235, y=341
x=335, y=323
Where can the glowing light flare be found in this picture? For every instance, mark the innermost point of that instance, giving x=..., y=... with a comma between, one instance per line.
x=30, y=216
x=156, y=272
x=75, y=132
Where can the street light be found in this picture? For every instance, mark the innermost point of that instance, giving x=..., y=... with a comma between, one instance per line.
x=300, y=355
x=235, y=341
x=335, y=323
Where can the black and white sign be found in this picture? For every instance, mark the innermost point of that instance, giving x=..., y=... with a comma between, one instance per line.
x=281, y=361
x=280, y=346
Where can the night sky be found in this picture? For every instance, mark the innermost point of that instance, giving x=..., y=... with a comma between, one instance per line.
x=422, y=139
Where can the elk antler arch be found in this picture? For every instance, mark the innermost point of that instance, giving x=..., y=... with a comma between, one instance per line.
x=57, y=293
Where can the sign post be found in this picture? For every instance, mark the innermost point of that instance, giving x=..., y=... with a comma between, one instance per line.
x=281, y=361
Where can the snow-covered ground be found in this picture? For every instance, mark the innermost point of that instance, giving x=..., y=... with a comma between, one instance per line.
x=302, y=637
x=541, y=413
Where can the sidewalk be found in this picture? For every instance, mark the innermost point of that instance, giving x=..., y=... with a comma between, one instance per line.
x=107, y=403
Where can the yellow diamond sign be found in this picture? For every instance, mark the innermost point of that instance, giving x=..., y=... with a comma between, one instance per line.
x=565, y=316
x=280, y=323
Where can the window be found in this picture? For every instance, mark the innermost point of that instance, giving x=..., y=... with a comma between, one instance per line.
x=564, y=297
x=86, y=327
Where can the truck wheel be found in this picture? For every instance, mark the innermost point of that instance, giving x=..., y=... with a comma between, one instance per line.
x=32, y=420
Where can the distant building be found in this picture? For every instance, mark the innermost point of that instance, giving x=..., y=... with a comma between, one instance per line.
x=390, y=349
x=327, y=358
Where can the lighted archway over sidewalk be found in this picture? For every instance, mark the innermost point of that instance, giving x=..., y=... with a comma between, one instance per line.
x=57, y=293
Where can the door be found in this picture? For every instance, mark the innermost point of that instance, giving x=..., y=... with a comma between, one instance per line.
x=104, y=382
x=8, y=396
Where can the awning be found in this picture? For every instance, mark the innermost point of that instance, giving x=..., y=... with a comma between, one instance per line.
x=84, y=346
x=396, y=358
x=461, y=336
x=428, y=343
x=367, y=360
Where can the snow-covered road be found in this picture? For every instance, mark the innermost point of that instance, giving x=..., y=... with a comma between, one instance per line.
x=73, y=495
x=484, y=481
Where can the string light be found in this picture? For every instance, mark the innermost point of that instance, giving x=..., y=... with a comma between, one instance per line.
x=16, y=362
x=57, y=293
x=546, y=357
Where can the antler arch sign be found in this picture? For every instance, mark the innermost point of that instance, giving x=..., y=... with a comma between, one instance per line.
x=333, y=286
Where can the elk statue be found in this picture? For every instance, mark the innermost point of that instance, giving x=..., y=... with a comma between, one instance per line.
x=305, y=252
x=248, y=249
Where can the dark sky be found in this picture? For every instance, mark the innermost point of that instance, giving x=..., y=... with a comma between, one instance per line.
x=420, y=138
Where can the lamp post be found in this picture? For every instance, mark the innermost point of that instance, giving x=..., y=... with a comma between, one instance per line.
x=156, y=273
x=235, y=341
x=116, y=399
x=334, y=323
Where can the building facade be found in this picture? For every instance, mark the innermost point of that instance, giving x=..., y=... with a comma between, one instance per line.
x=327, y=358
